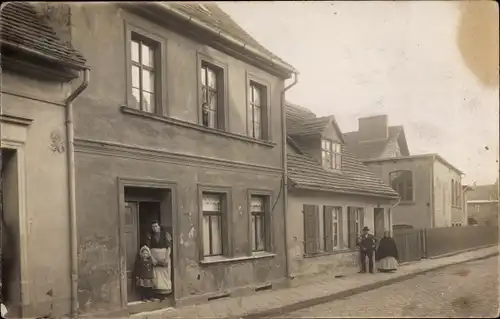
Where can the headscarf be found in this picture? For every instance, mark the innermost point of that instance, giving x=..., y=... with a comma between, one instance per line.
x=144, y=248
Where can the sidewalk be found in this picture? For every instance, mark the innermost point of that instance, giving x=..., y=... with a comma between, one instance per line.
x=282, y=301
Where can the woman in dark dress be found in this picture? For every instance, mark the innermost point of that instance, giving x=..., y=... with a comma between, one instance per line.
x=387, y=254
x=159, y=242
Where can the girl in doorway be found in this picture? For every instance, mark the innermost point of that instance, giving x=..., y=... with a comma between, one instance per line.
x=144, y=273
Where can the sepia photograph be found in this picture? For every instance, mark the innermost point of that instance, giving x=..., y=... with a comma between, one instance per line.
x=249, y=159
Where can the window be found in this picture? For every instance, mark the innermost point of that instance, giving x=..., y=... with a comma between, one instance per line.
x=144, y=73
x=331, y=154
x=257, y=99
x=354, y=225
x=402, y=182
x=258, y=211
x=453, y=197
x=322, y=232
x=212, y=95
x=212, y=207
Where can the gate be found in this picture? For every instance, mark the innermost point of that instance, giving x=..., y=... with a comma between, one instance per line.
x=410, y=244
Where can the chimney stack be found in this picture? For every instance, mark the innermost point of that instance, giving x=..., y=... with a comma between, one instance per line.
x=373, y=128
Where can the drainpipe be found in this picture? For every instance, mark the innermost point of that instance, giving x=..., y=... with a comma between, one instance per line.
x=391, y=211
x=285, y=169
x=70, y=133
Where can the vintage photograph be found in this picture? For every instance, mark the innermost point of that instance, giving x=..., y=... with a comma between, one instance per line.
x=249, y=159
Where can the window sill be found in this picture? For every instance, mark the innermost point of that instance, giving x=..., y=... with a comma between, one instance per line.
x=330, y=253
x=181, y=123
x=221, y=259
x=407, y=203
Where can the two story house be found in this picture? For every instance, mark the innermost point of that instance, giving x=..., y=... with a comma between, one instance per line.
x=181, y=123
x=35, y=128
x=331, y=197
x=429, y=186
x=482, y=203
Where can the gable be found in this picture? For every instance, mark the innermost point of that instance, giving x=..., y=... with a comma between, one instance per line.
x=332, y=133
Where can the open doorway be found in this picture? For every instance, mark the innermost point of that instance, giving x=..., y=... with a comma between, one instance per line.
x=143, y=207
x=9, y=245
x=379, y=219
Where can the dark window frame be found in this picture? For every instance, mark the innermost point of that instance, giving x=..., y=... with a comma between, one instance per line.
x=332, y=153
x=226, y=220
x=221, y=76
x=402, y=188
x=267, y=196
x=358, y=222
x=252, y=80
x=312, y=241
x=159, y=46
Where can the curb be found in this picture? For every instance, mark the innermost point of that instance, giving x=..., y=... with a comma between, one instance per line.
x=347, y=293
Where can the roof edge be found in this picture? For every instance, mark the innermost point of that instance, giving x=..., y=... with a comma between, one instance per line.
x=329, y=190
x=419, y=156
x=75, y=66
x=228, y=37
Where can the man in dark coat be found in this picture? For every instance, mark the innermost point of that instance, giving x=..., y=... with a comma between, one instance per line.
x=367, y=244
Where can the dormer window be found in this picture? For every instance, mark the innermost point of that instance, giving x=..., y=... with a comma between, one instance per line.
x=331, y=153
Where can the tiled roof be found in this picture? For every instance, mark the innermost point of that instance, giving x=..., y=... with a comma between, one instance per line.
x=306, y=172
x=308, y=126
x=371, y=150
x=483, y=192
x=356, y=178
x=21, y=26
x=213, y=15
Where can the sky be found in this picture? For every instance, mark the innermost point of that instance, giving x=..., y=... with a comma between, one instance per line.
x=430, y=66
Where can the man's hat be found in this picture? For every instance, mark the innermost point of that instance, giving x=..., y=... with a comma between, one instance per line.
x=366, y=228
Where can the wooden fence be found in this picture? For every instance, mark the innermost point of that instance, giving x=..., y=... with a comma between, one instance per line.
x=415, y=244
x=440, y=241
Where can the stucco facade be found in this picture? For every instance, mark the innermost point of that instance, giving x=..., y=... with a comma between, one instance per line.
x=343, y=260
x=119, y=148
x=431, y=205
x=34, y=194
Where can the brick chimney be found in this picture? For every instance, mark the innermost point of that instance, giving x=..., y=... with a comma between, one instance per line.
x=373, y=128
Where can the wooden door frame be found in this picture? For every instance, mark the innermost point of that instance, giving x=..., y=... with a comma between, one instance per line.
x=381, y=212
x=122, y=183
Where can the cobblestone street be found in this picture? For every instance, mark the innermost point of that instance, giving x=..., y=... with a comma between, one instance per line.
x=467, y=290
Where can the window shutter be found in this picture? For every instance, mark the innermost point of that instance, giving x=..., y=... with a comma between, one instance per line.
x=328, y=227
x=341, y=227
x=311, y=227
x=351, y=226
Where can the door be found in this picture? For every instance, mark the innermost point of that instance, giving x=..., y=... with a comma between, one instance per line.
x=379, y=222
x=131, y=231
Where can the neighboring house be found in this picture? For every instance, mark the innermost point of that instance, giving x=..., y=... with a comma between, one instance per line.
x=430, y=187
x=331, y=197
x=482, y=202
x=36, y=70
x=182, y=122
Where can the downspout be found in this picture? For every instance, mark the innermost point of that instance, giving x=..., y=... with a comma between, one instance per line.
x=391, y=212
x=432, y=206
x=285, y=170
x=70, y=133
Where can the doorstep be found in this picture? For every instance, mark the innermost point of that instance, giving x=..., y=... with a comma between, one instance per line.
x=278, y=302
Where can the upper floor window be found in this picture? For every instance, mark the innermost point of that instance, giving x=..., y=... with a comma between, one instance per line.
x=144, y=66
x=453, y=195
x=212, y=89
x=332, y=154
x=402, y=182
x=257, y=99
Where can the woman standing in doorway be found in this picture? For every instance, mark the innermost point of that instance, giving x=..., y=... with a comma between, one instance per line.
x=387, y=254
x=159, y=241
